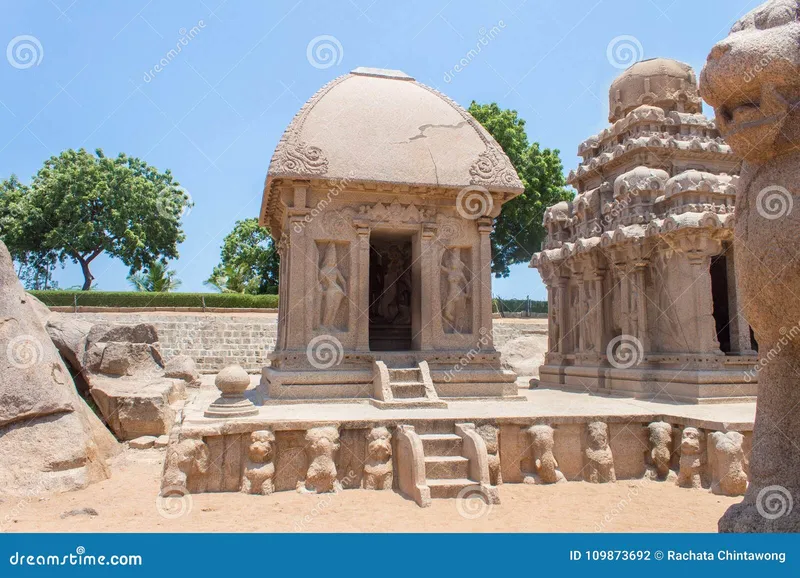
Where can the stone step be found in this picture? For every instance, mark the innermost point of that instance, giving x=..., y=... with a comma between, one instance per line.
x=408, y=390
x=405, y=374
x=448, y=488
x=446, y=444
x=436, y=426
x=446, y=467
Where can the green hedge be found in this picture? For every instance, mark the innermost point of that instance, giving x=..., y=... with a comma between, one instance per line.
x=146, y=299
x=518, y=305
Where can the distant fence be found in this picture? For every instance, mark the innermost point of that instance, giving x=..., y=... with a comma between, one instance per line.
x=519, y=307
x=151, y=300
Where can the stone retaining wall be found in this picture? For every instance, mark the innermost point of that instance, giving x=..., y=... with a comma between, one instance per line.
x=215, y=339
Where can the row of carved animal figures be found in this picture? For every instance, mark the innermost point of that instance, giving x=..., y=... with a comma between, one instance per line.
x=188, y=461
x=724, y=470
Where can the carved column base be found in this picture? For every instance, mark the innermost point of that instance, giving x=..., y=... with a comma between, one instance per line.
x=231, y=407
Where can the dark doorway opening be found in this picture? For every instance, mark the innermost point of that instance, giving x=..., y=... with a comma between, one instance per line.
x=390, y=292
x=719, y=295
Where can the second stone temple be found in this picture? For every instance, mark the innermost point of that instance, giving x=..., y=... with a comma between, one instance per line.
x=640, y=266
x=380, y=197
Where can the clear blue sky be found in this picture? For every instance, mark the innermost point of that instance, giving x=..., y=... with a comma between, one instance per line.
x=214, y=114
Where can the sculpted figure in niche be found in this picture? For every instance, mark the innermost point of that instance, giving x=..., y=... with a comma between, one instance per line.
x=599, y=460
x=752, y=82
x=332, y=285
x=691, y=473
x=454, y=273
x=729, y=477
x=260, y=469
x=660, y=434
x=393, y=302
x=378, y=471
x=490, y=435
x=322, y=445
x=185, y=467
x=544, y=462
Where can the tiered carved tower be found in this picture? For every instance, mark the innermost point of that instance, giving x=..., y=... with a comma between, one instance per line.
x=639, y=267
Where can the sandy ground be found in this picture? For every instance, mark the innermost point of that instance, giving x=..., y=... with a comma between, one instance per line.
x=128, y=502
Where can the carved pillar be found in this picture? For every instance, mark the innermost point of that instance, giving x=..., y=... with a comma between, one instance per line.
x=698, y=249
x=430, y=311
x=299, y=304
x=360, y=285
x=283, y=254
x=638, y=286
x=482, y=285
x=739, y=328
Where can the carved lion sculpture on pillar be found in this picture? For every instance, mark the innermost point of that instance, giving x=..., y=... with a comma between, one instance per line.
x=752, y=82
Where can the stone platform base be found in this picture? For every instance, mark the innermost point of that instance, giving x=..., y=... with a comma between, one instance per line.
x=461, y=451
x=655, y=384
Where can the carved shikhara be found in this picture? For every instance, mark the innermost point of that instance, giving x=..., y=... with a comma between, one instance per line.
x=629, y=260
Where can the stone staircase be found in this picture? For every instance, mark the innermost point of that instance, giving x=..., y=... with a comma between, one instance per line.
x=445, y=459
x=446, y=468
x=404, y=387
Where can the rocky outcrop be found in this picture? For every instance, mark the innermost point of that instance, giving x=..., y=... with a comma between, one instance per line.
x=751, y=81
x=126, y=375
x=50, y=440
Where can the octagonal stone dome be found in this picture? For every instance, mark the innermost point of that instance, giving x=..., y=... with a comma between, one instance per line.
x=382, y=126
x=662, y=82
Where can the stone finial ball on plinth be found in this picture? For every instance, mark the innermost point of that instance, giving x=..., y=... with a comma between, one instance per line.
x=232, y=382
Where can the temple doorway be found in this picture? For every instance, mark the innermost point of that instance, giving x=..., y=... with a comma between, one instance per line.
x=719, y=295
x=391, y=292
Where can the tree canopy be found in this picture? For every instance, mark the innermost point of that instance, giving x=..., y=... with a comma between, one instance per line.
x=518, y=231
x=81, y=205
x=248, y=261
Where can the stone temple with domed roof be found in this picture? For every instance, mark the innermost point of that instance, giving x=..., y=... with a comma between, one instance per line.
x=380, y=198
x=639, y=266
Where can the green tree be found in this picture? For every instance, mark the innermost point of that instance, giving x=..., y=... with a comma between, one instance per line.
x=248, y=261
x=79, y=206
x=518, y=231
x=156, y=278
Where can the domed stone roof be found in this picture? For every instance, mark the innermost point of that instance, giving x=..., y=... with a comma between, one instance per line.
x=381, y=126
x=662, y=82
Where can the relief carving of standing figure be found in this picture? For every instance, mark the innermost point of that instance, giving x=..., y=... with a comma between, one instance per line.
x=454, y=273
x=332, y=284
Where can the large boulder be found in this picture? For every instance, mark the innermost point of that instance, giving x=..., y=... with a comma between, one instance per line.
x=49, y=438
x=125, y=373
